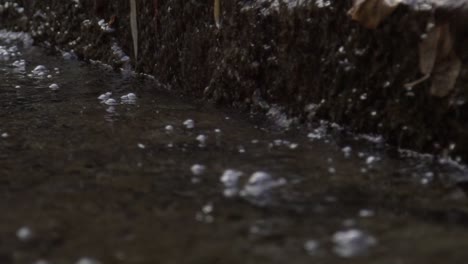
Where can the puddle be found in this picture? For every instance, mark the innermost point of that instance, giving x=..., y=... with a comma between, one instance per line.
x=97, y=167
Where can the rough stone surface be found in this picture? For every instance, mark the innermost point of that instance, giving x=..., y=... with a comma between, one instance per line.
x=310, y=60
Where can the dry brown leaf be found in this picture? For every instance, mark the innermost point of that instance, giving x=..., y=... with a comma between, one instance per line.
x=427, y=50
x=447, y=65
x=370, y=13
x=427, y=54
x=438, y=60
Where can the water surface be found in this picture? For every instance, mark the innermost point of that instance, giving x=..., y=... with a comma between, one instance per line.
x=84, y=180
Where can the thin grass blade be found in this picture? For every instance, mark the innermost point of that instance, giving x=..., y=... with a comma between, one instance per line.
x=134, y=27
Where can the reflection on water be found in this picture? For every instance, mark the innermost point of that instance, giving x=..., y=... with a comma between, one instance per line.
x=112, y=169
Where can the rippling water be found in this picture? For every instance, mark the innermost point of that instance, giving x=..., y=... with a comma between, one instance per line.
x=100, y=167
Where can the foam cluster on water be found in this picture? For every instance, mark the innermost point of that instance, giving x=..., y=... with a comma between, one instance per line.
x=260, y=184
x=230, y=180
x=106, y=98
x=189, y=124
x=257, y=189
x=39, y=71
x=267, y=7
x=16, y=37
x=105, y=27
x=205, y=214
x=129, y=98
x=352, y=242
x=119, y=53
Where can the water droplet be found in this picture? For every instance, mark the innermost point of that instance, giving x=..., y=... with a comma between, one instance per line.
x=24, y=234
x=311, y=246
x=366, y=213
x=87, y=260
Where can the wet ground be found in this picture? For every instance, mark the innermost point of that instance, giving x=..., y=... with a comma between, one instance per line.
x=144, y=176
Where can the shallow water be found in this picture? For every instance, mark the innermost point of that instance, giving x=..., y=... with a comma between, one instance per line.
x=84, y=180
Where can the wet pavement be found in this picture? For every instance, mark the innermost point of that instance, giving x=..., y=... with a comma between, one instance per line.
x=102, y=167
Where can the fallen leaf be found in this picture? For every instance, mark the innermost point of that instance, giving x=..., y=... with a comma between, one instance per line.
x=447, y=65
x=438, y=61
x=428, y=50
x=370, y=13
x=427, y=54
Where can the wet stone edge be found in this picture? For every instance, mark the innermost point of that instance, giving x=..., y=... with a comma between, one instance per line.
x=310, y=61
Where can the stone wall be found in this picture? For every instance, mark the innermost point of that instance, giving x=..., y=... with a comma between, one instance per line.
x=309, y=59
